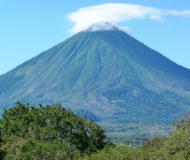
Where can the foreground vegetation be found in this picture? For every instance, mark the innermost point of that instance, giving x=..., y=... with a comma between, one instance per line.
x=49, y=132
x=54, y=133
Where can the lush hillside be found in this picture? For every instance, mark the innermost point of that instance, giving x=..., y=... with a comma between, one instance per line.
x=107, y=76
x=173, y=147
x=54, y=133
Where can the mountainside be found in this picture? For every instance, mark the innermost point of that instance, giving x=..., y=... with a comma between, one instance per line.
x=107, y=76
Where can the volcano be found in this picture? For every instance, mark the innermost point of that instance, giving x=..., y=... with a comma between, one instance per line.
x=107, y=76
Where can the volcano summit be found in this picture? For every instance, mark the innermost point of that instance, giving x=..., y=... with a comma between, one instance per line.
x=107, y=76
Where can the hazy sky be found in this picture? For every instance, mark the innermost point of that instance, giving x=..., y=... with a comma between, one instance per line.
x=29, y=27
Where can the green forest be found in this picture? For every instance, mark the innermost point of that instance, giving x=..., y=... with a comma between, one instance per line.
x=52, y=132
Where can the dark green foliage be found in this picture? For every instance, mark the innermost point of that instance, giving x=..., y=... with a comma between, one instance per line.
x=48, y=131
x=114, y=153
x=120, y=152
x=54, y=133
x=174, y=147
x=38, y=150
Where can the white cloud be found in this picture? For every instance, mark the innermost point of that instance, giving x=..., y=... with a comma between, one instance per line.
x=156, y=18
x=118, y=12
x=106, y=26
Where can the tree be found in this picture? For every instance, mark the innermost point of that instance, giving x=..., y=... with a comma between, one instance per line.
x=48, y=129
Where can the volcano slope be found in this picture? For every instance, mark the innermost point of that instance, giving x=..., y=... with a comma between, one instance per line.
x=131, y=90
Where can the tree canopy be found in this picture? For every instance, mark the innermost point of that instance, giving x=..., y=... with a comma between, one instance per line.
x=54, y=133
x=33, y=130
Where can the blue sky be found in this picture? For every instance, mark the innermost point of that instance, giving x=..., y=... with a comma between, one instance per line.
x=29, y=27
